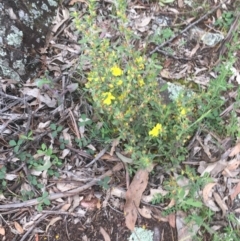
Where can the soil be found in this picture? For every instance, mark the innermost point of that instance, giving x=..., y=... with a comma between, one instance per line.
x=87, y=228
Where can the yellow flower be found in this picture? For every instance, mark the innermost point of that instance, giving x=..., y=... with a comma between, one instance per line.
x=156, y=130
x=116, y=71
x=139, y=59
x=141, y=82
x=108, y=98
x=183, y=112
x=139, y=62
x=119, y=82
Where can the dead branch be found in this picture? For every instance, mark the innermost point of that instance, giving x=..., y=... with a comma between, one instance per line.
x=54, y=196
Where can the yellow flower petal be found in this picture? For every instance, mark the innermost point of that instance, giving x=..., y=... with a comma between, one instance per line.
x=120, y=82
x=141, y=82
x=183, y=112
x=156, y=130
x=116, y=71
x=108, y=98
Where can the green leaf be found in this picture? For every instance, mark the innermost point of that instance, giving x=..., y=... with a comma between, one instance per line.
x=84, y=117
x=2, y=175
x=54, y=134
x=166, y=1
x=43, y=146
x=12, y=143
x=41, y=82
x=39, y=199
x=164, y=87
x=45, y=194
x=20, y=142
x=39, y=207
x=193, y=203
x=104, y=183
x=44, y=167
x=16, y=148
x=59, y=128
x=53, y=127
x=4, y=183
x=49, y=152
x=80, y=124
x=46, y=201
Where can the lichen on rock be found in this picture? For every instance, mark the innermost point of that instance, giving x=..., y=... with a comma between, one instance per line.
x=15, y=37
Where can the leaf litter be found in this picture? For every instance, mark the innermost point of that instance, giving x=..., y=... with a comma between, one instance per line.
x=53, y=102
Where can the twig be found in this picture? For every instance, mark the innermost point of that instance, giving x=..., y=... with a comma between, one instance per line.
x=99, y=155
x=61, y=213
x=187, y=28
x=115, y=209
x=54, y=196
x=34, y=225
x=173, y=56
x=79, y=152
x=74, y=124
x=9, y=106
x=24, y=101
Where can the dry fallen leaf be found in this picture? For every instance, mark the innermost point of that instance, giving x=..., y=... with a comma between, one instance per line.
x=214, y=168
x=65, y=207
x=145, y=212
x=218, y=13
x=67, y=136
x=41, y=97
x=207, y=197
x=231, y=167
x=171, y=204
x=235, y=150
x=180, y=3
x=154, y=192
x=63, y=186
x=92, y=204
x=2, y=231
x=157, y=214
x=207, y=191
x=133, y=197
x=185, y=231
x=172, y=220
x=75, y=1
x=110, y=158
x=194, y=50
x=114, y=144
x=143, y=22
x=53, y=220
x=124, y=158
x=235, y=192
x=165, y=74
x=104, y=234
x=220, y=203
x=118, y=192
x=60, y=19
x=18, y=227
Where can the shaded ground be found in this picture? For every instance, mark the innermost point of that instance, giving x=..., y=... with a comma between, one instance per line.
x=88, y=228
